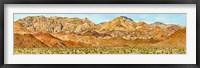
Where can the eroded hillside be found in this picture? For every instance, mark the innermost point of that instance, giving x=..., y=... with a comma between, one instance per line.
x=76, y=32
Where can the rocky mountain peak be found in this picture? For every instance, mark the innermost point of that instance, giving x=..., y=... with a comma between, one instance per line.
x=141, y=23
x=119, y=23
x=123, y=19
x=158, y=23
x=55, y=24
x=86, y=20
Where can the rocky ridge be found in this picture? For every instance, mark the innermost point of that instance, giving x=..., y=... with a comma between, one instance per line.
x=64, y=31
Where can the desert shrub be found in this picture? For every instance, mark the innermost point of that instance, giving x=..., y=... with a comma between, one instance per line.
x=102, y=50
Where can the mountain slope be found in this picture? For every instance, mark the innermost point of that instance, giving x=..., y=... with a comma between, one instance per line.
x=27, y=41
x=70, y=32
x=119, y=23
x=19, y=28
x=177, y=39
x=55, y=24
x=48, y=39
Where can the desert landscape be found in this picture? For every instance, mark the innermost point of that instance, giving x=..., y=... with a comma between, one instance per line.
x=121, y=35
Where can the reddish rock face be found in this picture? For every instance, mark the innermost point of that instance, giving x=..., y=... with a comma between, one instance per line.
x=27, y=41
x=177, y=39
x=67, y=32
x=94, y=33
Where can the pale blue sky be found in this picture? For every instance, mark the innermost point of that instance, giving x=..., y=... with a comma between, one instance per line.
x=98, y=18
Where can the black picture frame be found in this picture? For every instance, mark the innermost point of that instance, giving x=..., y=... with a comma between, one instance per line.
x=2, y=2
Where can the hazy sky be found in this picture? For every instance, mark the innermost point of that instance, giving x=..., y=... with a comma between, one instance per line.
x=98, y=18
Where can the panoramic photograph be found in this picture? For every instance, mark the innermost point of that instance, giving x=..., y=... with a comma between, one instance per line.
x=100, y=33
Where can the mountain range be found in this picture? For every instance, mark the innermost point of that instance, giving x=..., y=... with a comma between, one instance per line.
x=41, y=31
